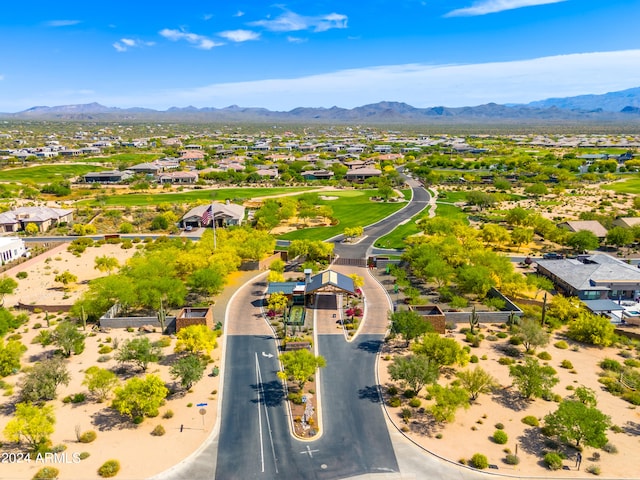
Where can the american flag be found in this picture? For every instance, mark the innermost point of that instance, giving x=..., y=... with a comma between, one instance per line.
x=206, y=216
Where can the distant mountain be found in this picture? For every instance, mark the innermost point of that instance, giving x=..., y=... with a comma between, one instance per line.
x=612, y=107
x=608, y=102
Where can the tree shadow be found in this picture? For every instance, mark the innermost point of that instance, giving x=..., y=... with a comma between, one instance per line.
x=424, y=424
x=371, y=393
x=510, y=399
x=107, y=419
x=39, y=357
x=370, y=346
x=258, y=302
x=632, y=428
x=272, y=394
x=170, y=358
x=532, y=441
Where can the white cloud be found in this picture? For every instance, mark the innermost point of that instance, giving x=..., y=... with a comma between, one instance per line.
x=293, y=22
x=484, y=7
x=208, y=16
x=126, y=43
x=420, y=85
x=239, y=35
x=291, y=39
x=239, y=13
x=200, y=41
x=62, y=23
x=1, y=77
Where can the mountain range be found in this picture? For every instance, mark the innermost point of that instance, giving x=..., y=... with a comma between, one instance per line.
x=613, y=107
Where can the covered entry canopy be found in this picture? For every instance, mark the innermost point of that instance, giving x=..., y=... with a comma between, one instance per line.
x=330, y=281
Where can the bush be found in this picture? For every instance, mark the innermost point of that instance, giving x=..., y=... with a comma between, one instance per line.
x=610, y=448
x=406, y=414
x=78, y=398
x=515, y=340
x=168, y=414
x=611, y=364
x=502, y=335
x=37, y=325
x=505, y=361
x=474, y=359
x=512, y=351
x=394, y=402
x=22, y=275
x=110, y=468
x=158, y=431
x=499, y=426
x=479, y=461
x=616, y=429
x=84, y=455
x=408, y=393
x=46, y=473
x=553, y=461
x=392, y=390
x=104, y=358
x=105, y=349
x=629, y=362
x=544, y=356
x=511, y=459
x=295, y=398
x=414, y=402
x=632, y=397
x=593, y=469
x=531, y=421
x=562, y=345
x=566, y=364
x=500, y=437
x=163, y=342
x=88, y=436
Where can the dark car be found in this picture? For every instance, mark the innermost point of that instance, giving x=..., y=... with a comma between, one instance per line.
x=553, y=256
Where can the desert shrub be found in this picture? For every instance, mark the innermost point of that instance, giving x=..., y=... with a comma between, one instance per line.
x=505, y=361
x=163, y=342
x=566, y=364
x=593, y=469
x=511, y=459
x=512, y=351
x=408, y=393
x=610, y=448
x=88, y=436
x=394, y=402
x=499, y=426
x=392, y=390
x=531, y=421
x=629, y=362
x=616, y=429
x=295, y=397
x=474, y=359
x=611, y=364
x=158, y=431
x=492, y=338
x=22, y=275
x=515, y=340
x=502, y=334
x=562, y=345
x=632, y=397
x=84, y=455
x=500, y=437
x=105, y=349
x=104, y=358
x=46, y=473
x=479, y=461
x=110, y=468
x=553, y=461
x=414, y=402
x=37, y=325
x=61, y=447
x=406, y=414
x=438, y=436
x=613, y=386
x=78, y=398
x=544, y=356
x=168, y=414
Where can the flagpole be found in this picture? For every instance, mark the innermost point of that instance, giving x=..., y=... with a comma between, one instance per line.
x=213, y=220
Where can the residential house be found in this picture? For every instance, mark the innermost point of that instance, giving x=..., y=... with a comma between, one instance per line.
x=43, y=217
x=317, y=174
x=107, y=176
x=11, y=248
x=361, y=174
x=592, y=226
x=178, y=177
x=626, y=222
x=147, y=168
x=224, y=214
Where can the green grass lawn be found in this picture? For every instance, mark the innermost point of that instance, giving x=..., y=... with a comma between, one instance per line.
x=451, y=211
x=630, y=185
x=352, y=209
x=132, y=158
x=46, y=173
x=219, y=194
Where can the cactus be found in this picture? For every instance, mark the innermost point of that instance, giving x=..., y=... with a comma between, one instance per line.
x=544, y=310
x=474, y=320
x=162, y=317
x=83, y=317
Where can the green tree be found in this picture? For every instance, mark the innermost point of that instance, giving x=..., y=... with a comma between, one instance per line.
x=476, y=381
x=106, y=263
x=444, y=351
x=69, y=338
x=416, y=371
x=593, y=329
x=42, y=380
x=100, y=382
x=409, y=324
x=10, y=354
x=532, y=379
x=447, y=400
x=619, y=236
x=494, y=234
x=189, y=370
x=139, y=397
x=139, y=351
x=475, y=279
x=207, y=280
x=299, y=365
x=517, y=216
x=9, y=322
x=277, y=302
x=196, y=339
x=583, y=240
x=31, y=229
x=65, y=278
x=577, y=421
x=353, y=232
x=32, y=423
x=521, y=236
x=7, y=287
x=532, y=334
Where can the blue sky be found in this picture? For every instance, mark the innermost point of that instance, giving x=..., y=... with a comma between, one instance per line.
x=313, y=53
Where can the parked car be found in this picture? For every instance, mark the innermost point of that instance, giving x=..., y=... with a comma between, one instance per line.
x=553, y=256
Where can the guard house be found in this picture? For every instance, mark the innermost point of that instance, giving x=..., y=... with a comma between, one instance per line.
x=194, y=316
x=304, y=293
x=294, y=291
